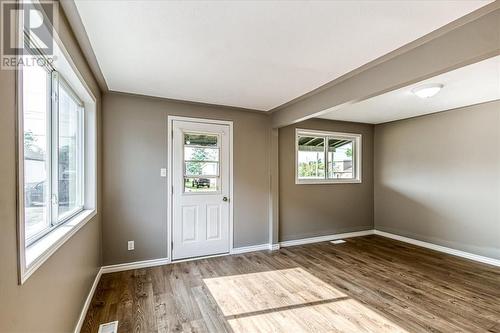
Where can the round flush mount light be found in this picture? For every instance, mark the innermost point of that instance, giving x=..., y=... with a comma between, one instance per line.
x=427, y=90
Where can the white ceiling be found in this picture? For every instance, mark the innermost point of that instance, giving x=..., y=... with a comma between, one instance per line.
x=251, y=54
x=473, y=84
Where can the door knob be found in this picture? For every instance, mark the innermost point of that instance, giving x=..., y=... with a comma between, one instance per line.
x=225, y=199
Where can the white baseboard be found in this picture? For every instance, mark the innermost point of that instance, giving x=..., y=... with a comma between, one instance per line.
x=86, y=305
x=134, y=265
x=274, y=247
x=326, y=238
x=448, y=250
x=253, y=248
x=165, y=261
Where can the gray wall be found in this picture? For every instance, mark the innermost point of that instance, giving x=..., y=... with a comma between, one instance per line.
x=52, y=298
x=437, y=178
x=134, y=194
x=323, y=209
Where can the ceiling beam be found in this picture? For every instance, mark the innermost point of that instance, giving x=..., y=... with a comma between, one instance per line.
x=470, y=39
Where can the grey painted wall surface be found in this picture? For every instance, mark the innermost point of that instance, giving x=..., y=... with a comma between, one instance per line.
x=52, y=298
x=437, y=178
x=323, y=209
x=134, y=194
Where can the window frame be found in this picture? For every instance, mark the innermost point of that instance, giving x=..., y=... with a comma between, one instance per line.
x=58, y=81
x=326, y=135
x=185, y=176
x=55, y=81
x=32, y=256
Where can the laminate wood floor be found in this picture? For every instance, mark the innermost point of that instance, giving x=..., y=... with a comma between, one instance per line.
x=368, y=284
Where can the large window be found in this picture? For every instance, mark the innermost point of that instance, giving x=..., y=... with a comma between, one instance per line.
x=327, y=157
x=53, y=151
x=57, y=160
x=57, y=147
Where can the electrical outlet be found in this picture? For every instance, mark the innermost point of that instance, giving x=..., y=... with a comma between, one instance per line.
x=163, y=172
x=131, y=245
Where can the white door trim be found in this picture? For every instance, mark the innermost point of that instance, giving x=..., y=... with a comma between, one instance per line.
x=170, y=120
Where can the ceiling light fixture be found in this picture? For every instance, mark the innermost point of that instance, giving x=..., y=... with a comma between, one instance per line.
x=427, y=90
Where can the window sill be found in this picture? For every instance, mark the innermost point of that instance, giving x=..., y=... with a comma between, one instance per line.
x=326, y=181
x=38, y=252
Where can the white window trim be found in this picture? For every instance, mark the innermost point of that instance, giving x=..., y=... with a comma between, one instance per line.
x=41, y=250
x=31, y=257
x=217, y=176
x=357, y=160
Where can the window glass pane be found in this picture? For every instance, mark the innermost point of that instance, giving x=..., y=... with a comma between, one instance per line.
x=36, y=153
x=202, y=168
x=201, y=159
x=201, y=154
x=205, y=140
x=200, y=184
x=311, y=157
x=340, y=160
x=69, y=169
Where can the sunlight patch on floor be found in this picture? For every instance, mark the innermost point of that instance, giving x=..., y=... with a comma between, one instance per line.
x=291, y=300
x=239, y=294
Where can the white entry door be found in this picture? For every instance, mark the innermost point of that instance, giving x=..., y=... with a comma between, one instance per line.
x=201, y=183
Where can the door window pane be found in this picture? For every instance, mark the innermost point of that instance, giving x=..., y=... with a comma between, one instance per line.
x=201, y=169
x=36, y=152
x=200, y=184
x=340, y=162
x=201, y=154
x=201, y=162
x=311, y=157
x=69, y=158
x=205, y=140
